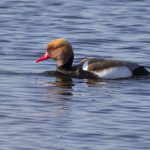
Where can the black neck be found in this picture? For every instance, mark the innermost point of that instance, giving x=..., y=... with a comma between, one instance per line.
x=68, y=64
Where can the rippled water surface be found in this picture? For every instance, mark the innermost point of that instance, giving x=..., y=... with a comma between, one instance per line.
x=38, y=111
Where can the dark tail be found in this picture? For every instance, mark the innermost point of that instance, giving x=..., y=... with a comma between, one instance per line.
x=141, y=71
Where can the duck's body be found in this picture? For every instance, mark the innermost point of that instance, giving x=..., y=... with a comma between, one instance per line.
x=105, y=69
x=61, y=51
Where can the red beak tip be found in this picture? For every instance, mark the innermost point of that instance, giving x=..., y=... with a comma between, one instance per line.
x=44, y=57
x=37, y=61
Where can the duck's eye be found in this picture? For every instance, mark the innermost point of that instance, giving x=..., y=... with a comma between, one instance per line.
x=52, y=48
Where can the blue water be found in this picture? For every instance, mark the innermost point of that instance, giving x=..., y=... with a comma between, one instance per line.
x=38, y=111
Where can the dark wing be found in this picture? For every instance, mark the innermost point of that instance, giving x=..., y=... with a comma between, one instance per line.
x=96, y=64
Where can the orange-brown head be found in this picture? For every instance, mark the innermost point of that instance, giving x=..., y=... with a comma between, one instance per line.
x=59, y=50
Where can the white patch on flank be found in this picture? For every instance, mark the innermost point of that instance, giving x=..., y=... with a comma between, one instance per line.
x=114, y=73
x=85, y=66
x=147, y=68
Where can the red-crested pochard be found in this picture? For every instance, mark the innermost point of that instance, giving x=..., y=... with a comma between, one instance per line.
x=62, y=52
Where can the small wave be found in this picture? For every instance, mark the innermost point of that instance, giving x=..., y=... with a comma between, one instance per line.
x=6, y=72
x=1, y=54
x=45, y=73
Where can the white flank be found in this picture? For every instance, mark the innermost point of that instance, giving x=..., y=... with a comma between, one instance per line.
x=114, y=73
x=85, y=66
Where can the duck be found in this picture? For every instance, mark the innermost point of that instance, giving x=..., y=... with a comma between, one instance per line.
x=62, y=52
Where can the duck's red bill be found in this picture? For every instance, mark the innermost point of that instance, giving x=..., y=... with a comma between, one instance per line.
x=44, y=57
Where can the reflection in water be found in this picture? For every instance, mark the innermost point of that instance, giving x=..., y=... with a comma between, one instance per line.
x=64, y=89
x=95, y=82
x=59, y=90
x=65, y=81
x=59, y=96
x=62, y=84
